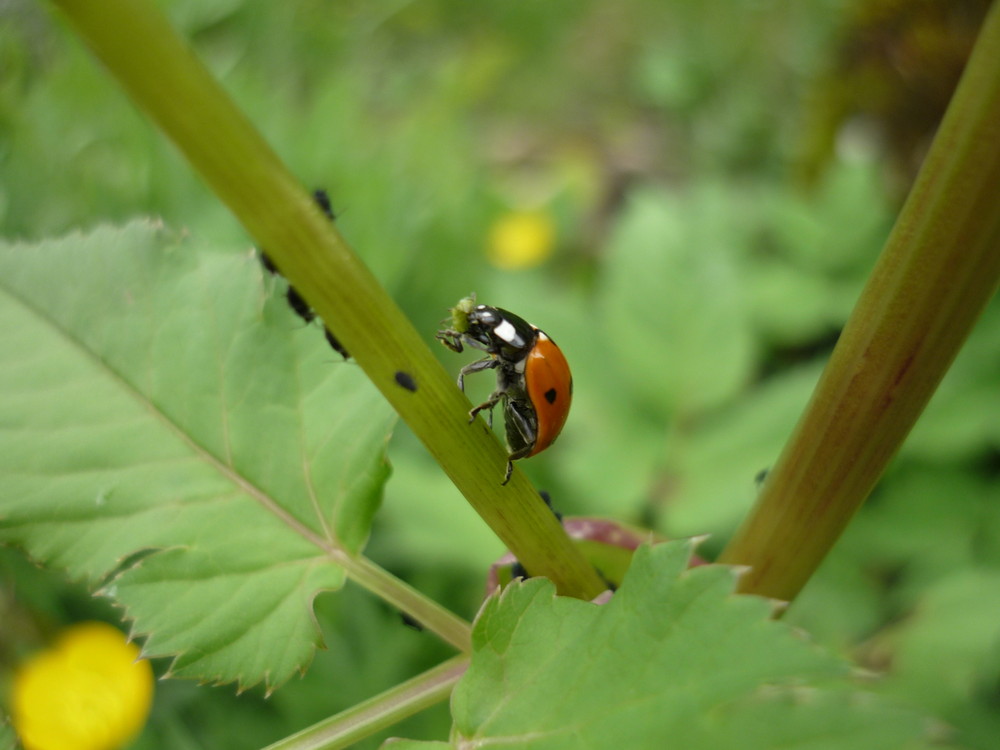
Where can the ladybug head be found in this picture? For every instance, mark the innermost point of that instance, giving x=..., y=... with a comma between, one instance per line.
x=500, y=331
x=480, y=323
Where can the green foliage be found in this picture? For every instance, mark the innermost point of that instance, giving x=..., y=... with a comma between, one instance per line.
x=674, y=659
x=155, y=399
x=695, y=290
x=697, y=340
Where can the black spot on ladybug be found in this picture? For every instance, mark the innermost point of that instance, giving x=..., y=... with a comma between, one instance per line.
x=406, y=381
x=550, y=395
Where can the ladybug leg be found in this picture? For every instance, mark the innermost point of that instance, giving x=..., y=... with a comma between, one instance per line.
x=487, y=405
x=483, y=364
x=506, y=474
x=451, y=339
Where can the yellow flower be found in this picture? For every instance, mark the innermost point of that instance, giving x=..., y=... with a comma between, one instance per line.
x=88, y=691
x=521, y=239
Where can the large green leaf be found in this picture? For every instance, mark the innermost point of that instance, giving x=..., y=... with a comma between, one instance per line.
x=155, y=396
x=674, y=660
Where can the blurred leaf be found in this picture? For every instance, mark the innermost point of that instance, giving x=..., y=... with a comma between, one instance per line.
x=790, y=306
x=961, y=419
x=840, y=229
x=74, y=149
x=700, y=669
x=7, y=737
x=191, y=16
x=815, y=251
x=927, y=524
x=717, y=461
x=672, y=305
x=609, y=455
x=156, y=397
x=957, y=616
x=842, y=603
x=428, y=522
x=400, y=184
x=945, y=657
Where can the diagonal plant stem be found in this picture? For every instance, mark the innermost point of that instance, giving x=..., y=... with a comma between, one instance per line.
x=379, y=712
x=448, y=626
x=163, y=77
x=939, y=268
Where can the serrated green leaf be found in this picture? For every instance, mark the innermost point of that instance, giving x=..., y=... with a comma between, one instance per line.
x=673, y=660
x=154, y=396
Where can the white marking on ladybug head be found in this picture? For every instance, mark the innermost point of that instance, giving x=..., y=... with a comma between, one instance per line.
x=505, y=331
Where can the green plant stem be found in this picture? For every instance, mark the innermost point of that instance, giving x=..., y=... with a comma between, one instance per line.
x=442, y=622
x=377, y=713
x=939, y=268
x=163, y=77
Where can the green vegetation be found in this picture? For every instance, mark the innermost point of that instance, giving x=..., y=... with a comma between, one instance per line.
x=689, y=199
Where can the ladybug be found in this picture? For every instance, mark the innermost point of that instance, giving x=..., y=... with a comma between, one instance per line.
x=534, y=383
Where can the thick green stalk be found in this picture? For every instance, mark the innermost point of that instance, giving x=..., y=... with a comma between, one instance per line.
x=162, y=75
x=938, y=270
x=377, y=713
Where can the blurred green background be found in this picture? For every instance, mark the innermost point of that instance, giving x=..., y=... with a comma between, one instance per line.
x=687, y=196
